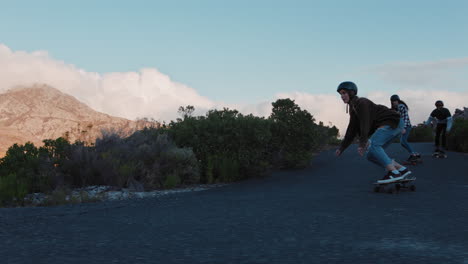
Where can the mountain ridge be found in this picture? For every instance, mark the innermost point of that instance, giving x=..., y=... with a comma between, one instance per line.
x=38, y=112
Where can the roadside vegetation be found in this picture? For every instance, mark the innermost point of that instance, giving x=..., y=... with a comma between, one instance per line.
x=421, y=133
x=222, y=146
x=457, y=138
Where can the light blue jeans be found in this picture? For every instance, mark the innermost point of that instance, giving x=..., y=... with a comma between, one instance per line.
x=381, y=138
x=404, y=140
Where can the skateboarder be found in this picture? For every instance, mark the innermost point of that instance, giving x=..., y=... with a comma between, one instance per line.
x=402, y=108
x=378, y=122
x=443, y=122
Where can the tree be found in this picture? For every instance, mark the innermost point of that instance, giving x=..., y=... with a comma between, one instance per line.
x=294, y=134
x=186, y=111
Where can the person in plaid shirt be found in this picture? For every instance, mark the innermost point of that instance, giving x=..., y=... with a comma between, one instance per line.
x=402, y=108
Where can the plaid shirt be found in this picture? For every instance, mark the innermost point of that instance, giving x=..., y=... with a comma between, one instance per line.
x=404, y=114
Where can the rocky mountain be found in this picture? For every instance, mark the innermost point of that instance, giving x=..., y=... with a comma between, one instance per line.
x=42, y=112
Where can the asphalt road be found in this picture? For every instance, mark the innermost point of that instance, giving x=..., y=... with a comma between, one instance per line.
x=327, y=213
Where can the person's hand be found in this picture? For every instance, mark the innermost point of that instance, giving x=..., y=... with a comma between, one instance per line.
x=403, y=131
x=361, y=150
x=338, y=152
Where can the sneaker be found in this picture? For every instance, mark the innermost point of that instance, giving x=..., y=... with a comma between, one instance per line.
x=391, y=177
x=405, y=173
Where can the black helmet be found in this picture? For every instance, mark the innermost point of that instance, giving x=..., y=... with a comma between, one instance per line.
x=439, y=102
x=394, y=97
x=348, y=86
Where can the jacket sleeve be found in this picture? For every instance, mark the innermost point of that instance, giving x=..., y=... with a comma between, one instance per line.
x=362, y=110
x=351, y=133
x=449, y=123
x=429, y=120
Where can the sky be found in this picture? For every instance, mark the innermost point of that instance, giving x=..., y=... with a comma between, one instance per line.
x=139, y=58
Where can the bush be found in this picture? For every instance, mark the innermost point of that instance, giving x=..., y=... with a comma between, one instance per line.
x=457, y=140
x=148, y=158
x=421, y=133
x=23, y=170
x=172, y=180
x=222, y=146
x=295, y=135
x=224, y=135
x=231, y=146
x=12, y=189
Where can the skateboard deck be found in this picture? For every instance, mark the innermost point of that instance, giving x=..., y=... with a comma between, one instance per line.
x=396, y=186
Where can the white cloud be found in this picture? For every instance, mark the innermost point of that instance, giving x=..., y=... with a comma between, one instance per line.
x=451, y=73
x=147, y=93
x=330, y=108
x=421, y=102
x=150, y=93
x=325, y=108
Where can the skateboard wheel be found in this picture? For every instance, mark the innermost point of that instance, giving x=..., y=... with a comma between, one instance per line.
x=391, y=190
x=412, y=188
x=376, y=189
x=397, y=187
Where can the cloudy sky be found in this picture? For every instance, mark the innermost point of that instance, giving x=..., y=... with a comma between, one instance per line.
x=146, y=58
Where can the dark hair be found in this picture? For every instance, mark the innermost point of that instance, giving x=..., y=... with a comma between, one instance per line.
x=401, y=102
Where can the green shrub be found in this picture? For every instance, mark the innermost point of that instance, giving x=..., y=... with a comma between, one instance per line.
x=21, y=169
x=12, y=190
x=295, y=135
x=225, y=133
x=58, y=197
x=457, y=139
x=224, y=169
x=148, y=156
x=126, y=171
x=227, y=143
x=421, y=133
x=172, y=180
x=209, y=170
x=222, y=146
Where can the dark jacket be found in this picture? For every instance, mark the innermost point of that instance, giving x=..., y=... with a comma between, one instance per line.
x=441, y=115
x=365, y=118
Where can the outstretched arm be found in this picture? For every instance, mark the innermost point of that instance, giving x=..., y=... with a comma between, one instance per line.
x=351, y=132
x=429, y=121
x=449, y=123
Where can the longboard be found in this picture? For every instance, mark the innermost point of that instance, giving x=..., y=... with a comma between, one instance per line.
x=396, y=186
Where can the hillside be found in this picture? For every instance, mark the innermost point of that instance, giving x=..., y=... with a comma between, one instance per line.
x=42, y=112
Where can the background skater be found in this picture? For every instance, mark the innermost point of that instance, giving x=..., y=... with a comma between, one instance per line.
x=442, y=119
x=402, y=108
